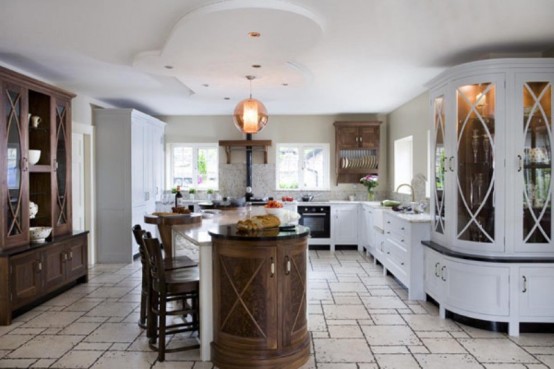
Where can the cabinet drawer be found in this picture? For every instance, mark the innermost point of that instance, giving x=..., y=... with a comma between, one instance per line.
x=397, y=260
x=394, y=225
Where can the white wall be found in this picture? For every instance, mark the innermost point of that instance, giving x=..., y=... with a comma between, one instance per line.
x=411, y=119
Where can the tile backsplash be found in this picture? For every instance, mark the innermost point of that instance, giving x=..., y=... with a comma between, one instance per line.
x=232, y=183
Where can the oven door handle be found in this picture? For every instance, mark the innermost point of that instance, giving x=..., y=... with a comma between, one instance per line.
x=315, y=214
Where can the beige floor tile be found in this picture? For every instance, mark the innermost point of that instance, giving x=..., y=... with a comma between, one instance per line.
x=13, y=341
x=496, y=350
x=443, y=361
x=120, y=359
x=43, y=363
x=112, y=309
x=16, y=363
x=534, y=339
x=396, y=361
x=318, y=295
x=115, y=332
x=59, y=319
x=540, y=350
x=342, y=351
x=93, y=346
x=505, y=366
x=81, y=329
x=388, y=319
x=345, y=312
x=44, y=347
x=77, y=359
x=389, y=349
x=547, y=359
x=174, y=365
x=84, y=304
x=347, y=300
x=429, y=323
x=390, y=335
x=342, y=322
x=443, y=346
x=345, y=332
x=316, y=323
x=346, y=286
x=337, y=366
x=418, y=349
x=383, y=302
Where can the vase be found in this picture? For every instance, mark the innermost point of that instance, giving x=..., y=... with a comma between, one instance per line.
x=370, y=196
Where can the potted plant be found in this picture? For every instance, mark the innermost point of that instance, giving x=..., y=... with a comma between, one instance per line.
x=192, y=191
x=210, y=193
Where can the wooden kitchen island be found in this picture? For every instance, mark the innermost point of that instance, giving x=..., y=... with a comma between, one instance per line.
x=259, y=298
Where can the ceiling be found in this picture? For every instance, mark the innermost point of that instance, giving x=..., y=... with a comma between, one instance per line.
x=190, y=57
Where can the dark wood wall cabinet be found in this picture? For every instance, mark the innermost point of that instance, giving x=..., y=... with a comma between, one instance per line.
x=260, y=307
x=35, y=190
x=356, y=150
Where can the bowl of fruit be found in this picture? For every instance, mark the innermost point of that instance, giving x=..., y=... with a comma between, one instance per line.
x=274, y=207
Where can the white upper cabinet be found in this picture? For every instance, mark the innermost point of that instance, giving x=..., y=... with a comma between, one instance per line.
x=492, y=150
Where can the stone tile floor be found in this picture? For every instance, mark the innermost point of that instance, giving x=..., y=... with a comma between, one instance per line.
x=359, y=319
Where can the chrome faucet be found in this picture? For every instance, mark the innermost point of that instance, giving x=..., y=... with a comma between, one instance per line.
x=411, y=189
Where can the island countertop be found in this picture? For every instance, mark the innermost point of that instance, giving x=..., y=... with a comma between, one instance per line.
x=230, y=232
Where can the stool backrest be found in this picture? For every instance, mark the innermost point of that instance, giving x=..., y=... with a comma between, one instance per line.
x=138, y=233
x=155, y=262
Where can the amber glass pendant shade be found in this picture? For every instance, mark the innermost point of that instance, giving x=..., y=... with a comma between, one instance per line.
x=250, y=116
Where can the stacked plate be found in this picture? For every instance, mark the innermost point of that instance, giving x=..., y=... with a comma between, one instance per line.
x=365, y=162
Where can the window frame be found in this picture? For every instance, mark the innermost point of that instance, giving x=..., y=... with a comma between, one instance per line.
x=408, y=168
x=301, y=149
x=195, y=148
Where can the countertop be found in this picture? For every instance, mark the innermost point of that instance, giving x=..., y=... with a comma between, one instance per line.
x=230, y=232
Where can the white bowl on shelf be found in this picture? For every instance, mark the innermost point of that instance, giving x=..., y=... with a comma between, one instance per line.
x=39, y=234
x=275, y=211
x=34, y=156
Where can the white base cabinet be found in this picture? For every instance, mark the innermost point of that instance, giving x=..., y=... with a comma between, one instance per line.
x=402, y=251
x=129, y=173
x=494, y=291
x=344, y=225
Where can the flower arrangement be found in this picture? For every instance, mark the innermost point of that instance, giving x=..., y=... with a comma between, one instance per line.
x=370, y=181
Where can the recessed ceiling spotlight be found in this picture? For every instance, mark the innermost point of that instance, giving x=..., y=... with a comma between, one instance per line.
x=256, y=66
x=168, y=66
x=254, y=34
x=284, y=84
x=205, y=85
x=226, y=98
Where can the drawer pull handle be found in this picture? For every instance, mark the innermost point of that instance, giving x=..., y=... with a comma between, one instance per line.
x=437, y=269
x=287, y=266
x=524, y=284
x=520, y=167
x=272, y=268
x=402, y=263
x=450, y=163
x=442, y=273
x=402, y=228
x=39, y=266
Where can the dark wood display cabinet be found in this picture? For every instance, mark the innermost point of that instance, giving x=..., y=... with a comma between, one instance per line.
x=260, y=306
x=356, y=150
x=35, y=190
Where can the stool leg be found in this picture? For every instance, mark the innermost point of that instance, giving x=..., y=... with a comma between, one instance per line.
x=143, y=300
x=161, y=342
x=152, y=317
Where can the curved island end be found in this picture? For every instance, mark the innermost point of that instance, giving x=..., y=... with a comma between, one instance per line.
x=259, y=295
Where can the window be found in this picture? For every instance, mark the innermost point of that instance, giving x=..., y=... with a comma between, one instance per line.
x=193, y=166
x=403, y=168
x=302, y=167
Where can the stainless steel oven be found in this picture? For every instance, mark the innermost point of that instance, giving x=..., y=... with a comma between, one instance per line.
x=317, y=218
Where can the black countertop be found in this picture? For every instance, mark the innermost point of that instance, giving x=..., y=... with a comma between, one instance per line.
x=230, y=232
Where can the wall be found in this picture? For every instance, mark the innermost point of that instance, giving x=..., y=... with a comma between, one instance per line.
x=411, y=119
x=280, y=129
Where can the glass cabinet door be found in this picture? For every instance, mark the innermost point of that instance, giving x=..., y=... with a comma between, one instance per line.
x=16, y=221
x=535, y=165
x=439, y=214
x=62, y=206
x=475, y=155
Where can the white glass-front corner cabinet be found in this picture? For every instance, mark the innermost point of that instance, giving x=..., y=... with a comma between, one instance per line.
x=492, y=195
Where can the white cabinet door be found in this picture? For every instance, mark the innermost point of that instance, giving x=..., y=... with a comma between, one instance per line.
x=434, y=274
x=368, y=231
x=344, y=224
x=529, y=165
x=477, y=289
x=536, y=298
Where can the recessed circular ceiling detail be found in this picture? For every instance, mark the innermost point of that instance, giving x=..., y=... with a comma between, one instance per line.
x=219, y=43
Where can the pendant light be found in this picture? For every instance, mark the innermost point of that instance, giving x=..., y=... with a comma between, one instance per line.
x=250, y=114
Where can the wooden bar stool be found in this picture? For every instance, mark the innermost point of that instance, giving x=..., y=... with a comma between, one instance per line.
x=172, y=293
x=178, y=262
